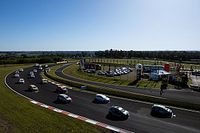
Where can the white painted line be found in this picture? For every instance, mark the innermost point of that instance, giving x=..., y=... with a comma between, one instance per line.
x=113, y=128
x=44, y=105
x=58, y=84
x=34, y=102
x=149, y=103
x=91, y=121
x=144, y=102
x=73, y=115
x=57, y=110
x=70, y=88
x=13, y=89
x=61, y=111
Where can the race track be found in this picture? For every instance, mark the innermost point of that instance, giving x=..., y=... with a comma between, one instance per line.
x=140, y=120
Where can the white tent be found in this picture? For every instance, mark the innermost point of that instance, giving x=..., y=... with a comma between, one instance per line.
x=156, y=75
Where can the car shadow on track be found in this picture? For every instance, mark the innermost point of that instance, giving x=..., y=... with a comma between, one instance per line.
x=61, y=103
x=26, y=90
x=29, y=91
x=54, y=91
x=57, y=102
x=97, y=102
x=112, y=118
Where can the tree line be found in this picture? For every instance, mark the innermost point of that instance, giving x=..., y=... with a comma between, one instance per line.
x=20, y=59
x=192, y=56
x=41, y=57
x=54, y=56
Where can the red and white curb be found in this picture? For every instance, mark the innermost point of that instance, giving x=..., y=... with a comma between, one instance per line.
x=57, y=84
x=115, y=129
x=99, y=124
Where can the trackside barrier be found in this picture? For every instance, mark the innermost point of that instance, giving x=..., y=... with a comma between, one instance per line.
x=129, y=95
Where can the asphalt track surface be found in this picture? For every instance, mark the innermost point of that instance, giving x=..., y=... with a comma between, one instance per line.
x=140, y=120
x=185, y=95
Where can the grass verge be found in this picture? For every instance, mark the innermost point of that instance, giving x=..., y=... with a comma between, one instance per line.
x=19, y=115
x=73, y=71
x=133, y=62
x=152, y=84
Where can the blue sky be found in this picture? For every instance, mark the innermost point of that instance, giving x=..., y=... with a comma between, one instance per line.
x=64, y=25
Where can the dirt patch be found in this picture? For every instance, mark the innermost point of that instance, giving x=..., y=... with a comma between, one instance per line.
x=5, y=127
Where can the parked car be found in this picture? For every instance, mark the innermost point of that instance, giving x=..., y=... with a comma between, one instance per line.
x=31, y=72
x=33, y=88
x=125, y=70
x=101, y=73
x=17, y=71
x=130, y=69
x=40, y=67
x=44, y=81
x=37, y=65
x=62, y=89
x=21, y=81
x=47, y=69
x=16, y=75
x=118, y=112
x=45, y=65
x=90, y=70
x=118, y=71
x=32, y=76
x=21, y=69
x=121, y=72
x=34, y=70
x=100, y=98
x=110, y=73
x=116, y=74
x=161, y=111
x=63, y=98
x=196, y=73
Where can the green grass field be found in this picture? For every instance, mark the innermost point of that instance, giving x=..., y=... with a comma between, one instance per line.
x=152, y=84
x=128, y=62
x=18, y=115
x=125, y=61
x=73, y=71
x=132, y=62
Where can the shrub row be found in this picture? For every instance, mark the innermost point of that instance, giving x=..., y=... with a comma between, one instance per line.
x=125, y=94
